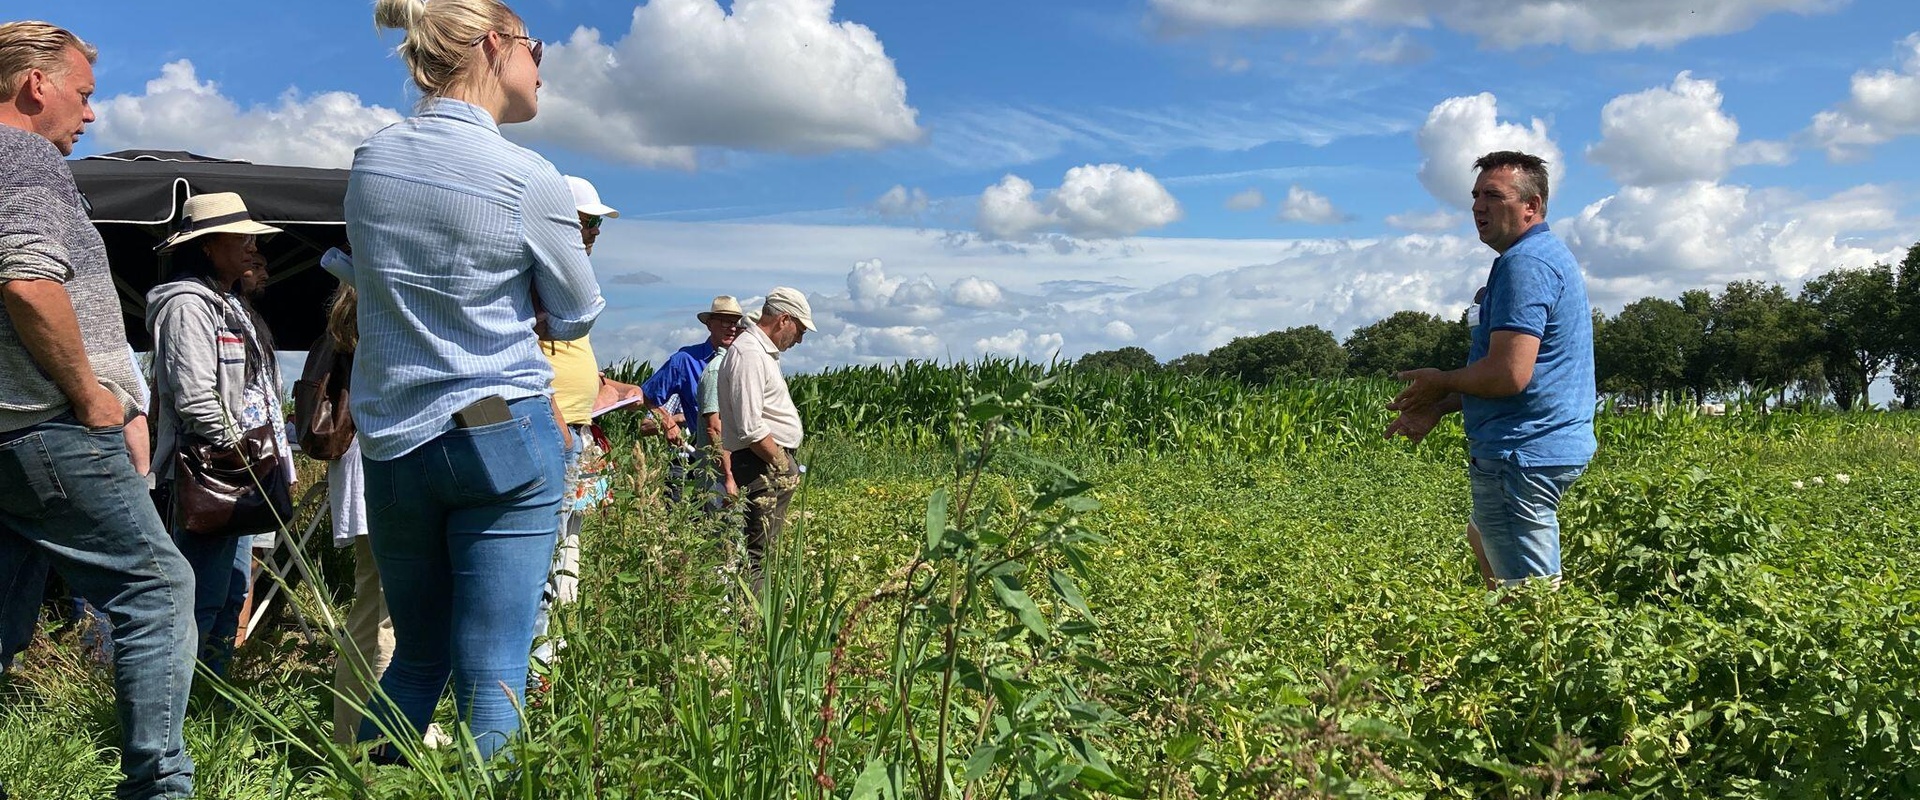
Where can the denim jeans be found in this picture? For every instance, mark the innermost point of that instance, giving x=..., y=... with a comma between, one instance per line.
x=463, y=531
x=222, y=568
x=23, y=588
x=1517, y=511
x=71, y=494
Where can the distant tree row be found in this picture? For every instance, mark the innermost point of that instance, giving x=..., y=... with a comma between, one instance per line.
x=1845, y=330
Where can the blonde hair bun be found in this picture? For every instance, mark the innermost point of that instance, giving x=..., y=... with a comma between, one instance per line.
x=398, y=14
x=439, y=47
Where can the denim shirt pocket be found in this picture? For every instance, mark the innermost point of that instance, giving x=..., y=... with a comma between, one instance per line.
x=29, y=484
x=493, y=462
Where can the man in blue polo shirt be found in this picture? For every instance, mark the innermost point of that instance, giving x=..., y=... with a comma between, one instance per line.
x=1527, y=391
x=676, y=386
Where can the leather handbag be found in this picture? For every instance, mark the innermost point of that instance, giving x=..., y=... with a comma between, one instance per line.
x=237, y=492
x=322, y=425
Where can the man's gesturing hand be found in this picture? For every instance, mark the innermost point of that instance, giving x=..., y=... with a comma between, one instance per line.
x=1425, y=387
x=1415, y=423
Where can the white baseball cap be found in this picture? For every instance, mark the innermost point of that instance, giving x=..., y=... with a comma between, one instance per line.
x=586, y=199
x=783, y=300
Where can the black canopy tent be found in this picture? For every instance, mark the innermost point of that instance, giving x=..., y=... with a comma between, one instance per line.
x=135, y=198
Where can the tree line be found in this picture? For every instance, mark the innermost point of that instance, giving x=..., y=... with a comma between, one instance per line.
x=1752, y=340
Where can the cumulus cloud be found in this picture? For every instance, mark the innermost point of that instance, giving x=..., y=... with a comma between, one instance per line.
x=1677, y=133
x=1094, y=201
x=1504, y=23
x=1308, y=206
x=1247, y=200
x=1883, y=105
x=1020, y=343
x=1703, y=234
x=900, y=202
x=1436, y=221
x=1462, y=129
x=181, y=112
x=1174, y=295
x=776, y=75
x=972, y=292
x=897, y=342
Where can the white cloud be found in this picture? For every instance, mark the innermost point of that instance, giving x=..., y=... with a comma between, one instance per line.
x=1436, y=221
x=1675, y=134
x=1462, y=129
x=1042, y=347
x=897, y=342
x=1094, y=201
x=900, y=202
x=972, y=292
x=1591, y=25
x=1008, y=210
x=778, y=75
x=1308, y=206
x=181, y=112
x=1654, y=239
x=935, y=297
x=1247, y=200
x=1883, y=105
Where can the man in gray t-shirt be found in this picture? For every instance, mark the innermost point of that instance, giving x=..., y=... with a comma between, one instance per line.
x=69, y=492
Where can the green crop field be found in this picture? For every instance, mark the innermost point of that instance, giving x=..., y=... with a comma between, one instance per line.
x=1007, y=583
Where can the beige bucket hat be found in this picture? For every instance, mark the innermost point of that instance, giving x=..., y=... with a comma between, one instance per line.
x=219, y=212
x=724, y=304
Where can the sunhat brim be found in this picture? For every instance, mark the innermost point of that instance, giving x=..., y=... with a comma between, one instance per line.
x=241, y=226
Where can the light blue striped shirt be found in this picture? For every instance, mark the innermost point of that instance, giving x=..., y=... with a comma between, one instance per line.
x=454, y=230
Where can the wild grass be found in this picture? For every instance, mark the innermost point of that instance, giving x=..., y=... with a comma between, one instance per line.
x=1001, y=586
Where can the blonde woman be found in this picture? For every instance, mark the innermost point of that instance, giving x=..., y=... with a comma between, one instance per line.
x=454, y=231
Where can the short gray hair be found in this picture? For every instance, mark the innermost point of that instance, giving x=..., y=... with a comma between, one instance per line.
x=32, y=44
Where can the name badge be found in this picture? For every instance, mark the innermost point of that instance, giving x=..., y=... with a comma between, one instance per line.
x=1473, y=316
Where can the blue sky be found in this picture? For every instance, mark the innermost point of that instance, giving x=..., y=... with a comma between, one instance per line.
x=751, y=143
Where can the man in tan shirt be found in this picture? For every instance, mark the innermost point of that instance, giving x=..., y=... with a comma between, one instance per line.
x=759, y=426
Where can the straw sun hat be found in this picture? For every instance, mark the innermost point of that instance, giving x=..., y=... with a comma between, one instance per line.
x=219, y=212
x=724, y=304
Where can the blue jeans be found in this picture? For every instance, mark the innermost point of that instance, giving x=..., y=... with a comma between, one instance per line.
x=221, y=566
x=71, y=495
x=1517, y=510
x=23, y=587
x=463, y=531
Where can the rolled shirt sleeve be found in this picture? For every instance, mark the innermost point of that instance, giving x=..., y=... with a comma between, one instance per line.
x=562, y=276
x=338, y=263
x=27, y=252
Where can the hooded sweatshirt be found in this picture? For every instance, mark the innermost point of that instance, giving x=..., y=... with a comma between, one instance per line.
x=203, y=349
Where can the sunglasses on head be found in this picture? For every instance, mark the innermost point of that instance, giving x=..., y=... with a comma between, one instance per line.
x=535, y=47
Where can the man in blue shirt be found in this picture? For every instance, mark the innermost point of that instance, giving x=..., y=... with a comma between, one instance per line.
x=1527, y=391
x=676, y=386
